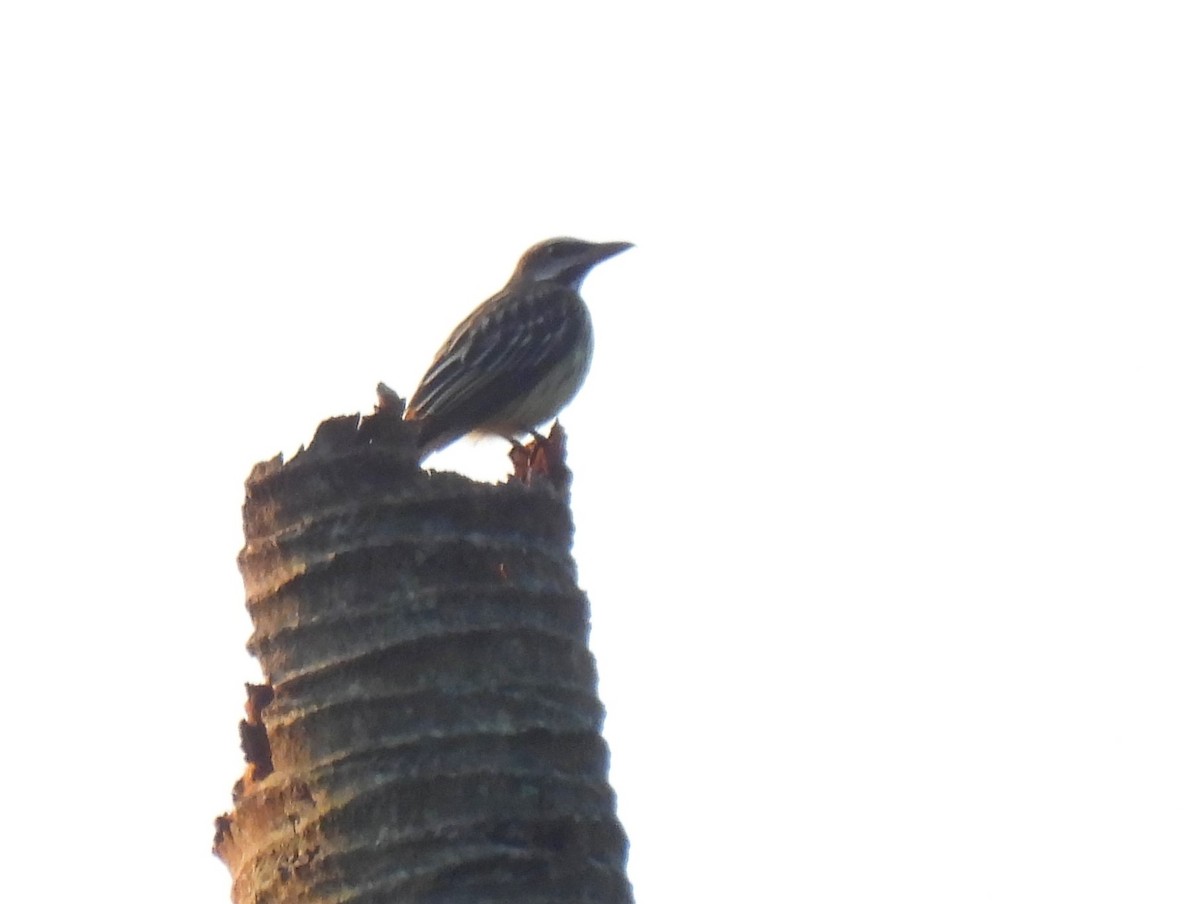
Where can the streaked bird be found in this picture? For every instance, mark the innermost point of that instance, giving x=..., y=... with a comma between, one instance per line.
x=520, y=357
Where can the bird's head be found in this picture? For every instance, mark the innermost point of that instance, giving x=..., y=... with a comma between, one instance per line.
x=564, y=261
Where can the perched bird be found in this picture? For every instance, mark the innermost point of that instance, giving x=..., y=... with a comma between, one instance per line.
x=520, y=357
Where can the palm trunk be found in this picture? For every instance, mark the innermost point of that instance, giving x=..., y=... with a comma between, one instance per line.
x=430, y=729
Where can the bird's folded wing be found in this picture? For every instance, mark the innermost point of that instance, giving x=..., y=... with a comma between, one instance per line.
x=500, y=353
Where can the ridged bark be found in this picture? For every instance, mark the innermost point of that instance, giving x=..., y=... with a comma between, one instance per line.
x=429, y=730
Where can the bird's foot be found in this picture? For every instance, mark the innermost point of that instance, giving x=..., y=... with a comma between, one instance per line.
x=542, y=456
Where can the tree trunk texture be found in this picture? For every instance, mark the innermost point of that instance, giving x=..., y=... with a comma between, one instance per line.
x=429, y=729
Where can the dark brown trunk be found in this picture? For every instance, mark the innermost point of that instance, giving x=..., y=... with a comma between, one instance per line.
x=429, y=730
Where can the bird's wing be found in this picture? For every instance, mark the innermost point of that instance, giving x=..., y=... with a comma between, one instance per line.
x=498, y=353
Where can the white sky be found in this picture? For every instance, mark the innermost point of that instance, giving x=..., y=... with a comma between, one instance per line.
x=887, y=481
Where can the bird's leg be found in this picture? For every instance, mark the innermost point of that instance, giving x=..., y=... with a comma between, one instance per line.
x=530, y=446
x=522, y=457
x=541, y=456
x=527, y=457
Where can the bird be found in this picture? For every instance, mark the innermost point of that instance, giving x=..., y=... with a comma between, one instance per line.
x=517, y=359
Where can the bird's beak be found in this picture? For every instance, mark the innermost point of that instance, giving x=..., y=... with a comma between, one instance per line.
x=602, y=251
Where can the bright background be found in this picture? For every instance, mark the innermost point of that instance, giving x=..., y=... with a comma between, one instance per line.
x=887, y=472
